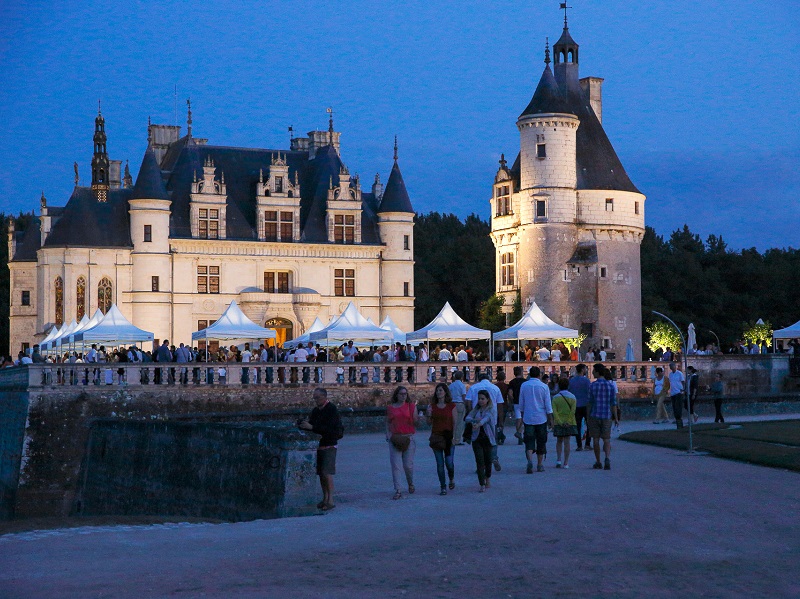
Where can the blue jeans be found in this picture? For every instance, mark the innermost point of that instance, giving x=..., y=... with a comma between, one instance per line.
x=443, y=459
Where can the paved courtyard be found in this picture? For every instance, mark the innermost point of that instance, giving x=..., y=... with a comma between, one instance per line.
x=659, y=524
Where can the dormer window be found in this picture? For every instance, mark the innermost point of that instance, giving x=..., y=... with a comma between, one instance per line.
x=278, y=184
x=208, y=223
x=344, y=228
x=503, y=197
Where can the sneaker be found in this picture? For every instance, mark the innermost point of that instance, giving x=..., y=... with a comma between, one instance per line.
x=597, y=466
x=539, y=468
x=607, y=465
x=529, y=469
x=482, y=489
x=558, y=464
x=579, y=448
x=497, y=466
x=566, y=466
x=488, y=483
x=443, y=491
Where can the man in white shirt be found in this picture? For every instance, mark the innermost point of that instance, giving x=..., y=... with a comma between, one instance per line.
x=555, y=355
x=445, y=355
x=535, y=416
x=312, y=352
x=263, y=353
x=497, y=399
x=462, y=355
x=603, y=355
x=676, y=385
x=543, y=353
x=300, y=354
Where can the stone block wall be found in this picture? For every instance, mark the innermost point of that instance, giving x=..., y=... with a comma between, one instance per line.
x=233, y=472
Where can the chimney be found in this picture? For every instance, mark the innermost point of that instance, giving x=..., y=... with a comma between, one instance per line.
x=12, y=238
x=161, y=136
x=115, y=174
x=593, y=88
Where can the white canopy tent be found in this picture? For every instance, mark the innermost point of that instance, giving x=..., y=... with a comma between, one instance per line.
x=351, y=324
x=535, y=324
x=113, y=329
x=44, y=344
x=397, y=335
x=233, y=324
x=792, y=332
x=58, y=340
x=447, y=326
x=90, y=322
x=303, y=339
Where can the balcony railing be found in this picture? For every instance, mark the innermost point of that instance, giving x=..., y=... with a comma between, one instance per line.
x=236, y=374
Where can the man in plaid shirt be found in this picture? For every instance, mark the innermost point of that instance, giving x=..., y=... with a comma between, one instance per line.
x=602, y=408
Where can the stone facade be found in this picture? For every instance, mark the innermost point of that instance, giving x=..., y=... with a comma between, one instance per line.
x=290, y=235
x=566, y=220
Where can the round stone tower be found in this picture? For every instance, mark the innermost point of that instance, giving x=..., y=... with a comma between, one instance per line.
x=566, y=219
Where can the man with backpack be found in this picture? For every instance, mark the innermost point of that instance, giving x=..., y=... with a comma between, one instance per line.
x=325, y=421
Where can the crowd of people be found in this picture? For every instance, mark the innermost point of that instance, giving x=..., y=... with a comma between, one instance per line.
x=477, y=416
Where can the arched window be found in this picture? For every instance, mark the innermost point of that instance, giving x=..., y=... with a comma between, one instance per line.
x=104, y=295
x=59, y=287
x=80, y=288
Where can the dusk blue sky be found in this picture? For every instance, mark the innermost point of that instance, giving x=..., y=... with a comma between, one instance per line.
x=700, y=98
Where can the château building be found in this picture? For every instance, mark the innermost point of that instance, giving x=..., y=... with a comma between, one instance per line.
x=288, y=233
x=567, y=222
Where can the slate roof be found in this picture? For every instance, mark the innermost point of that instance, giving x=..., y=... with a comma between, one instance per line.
x=395, y=196
x=241, y=167
x=149, y=184
x=548, y=97
x=597, y=163
x=28, y=242
x=85, y=222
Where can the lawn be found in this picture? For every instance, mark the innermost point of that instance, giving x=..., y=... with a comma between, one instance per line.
x=774, y=443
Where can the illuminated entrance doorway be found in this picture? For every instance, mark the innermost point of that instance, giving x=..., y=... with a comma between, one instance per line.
x=282, y=327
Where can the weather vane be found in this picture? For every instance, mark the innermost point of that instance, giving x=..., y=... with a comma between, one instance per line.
x=564, y=7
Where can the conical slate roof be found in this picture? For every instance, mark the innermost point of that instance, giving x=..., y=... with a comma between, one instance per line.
x=149, y=184
x=395, y=197
x=548, y=97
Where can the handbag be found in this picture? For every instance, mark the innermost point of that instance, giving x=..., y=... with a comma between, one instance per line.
x=400, y=442
x=437, y=442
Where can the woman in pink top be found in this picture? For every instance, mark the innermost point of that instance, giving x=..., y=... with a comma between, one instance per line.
x=401, y=415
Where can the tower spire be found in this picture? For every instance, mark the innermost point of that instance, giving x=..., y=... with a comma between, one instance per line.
x=149, y=133
x=395, y=149
x=547, y=50
x=330, y=125
x=100, y=162
x=189, y=117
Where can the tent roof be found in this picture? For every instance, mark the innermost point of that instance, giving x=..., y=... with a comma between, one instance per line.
x=64, y=334
x=351, y=325
x=90, y=322
x=233, y=324
x=535, y=324
x=792, y=332
x=397, y=335
x=54, y=334
x=113, y=328
x=317, y=325
x=448, y=326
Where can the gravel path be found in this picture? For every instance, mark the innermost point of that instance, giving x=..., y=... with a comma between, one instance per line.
x=659, y=524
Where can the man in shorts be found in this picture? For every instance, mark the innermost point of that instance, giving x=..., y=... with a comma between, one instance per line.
x=536, y=415
x=602, y=409
x=325, y=421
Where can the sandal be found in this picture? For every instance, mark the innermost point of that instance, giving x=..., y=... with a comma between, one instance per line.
x=397, y=495
x=328, y=507
x=321, y=504
x=411, y=489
